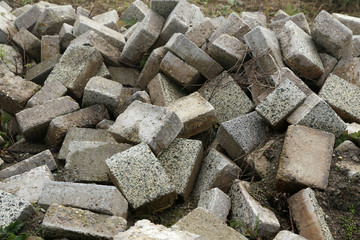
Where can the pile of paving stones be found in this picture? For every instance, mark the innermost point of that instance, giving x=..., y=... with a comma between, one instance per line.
x=127, y=135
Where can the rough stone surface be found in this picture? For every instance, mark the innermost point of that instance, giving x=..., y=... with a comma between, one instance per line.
x=152, y=193
x=124, y=75
x=201, y=33
x=353, y=23
x=308, y=215
x=4, y=5
x=28, y=19
x=305, y=159
x=66, y=36
x=329, y=64
x=75, y=223
x=29, y=43
x=163, y=7
x=108, y=19
x=96, y=198
x=356, y=46
x=50, y=46
x=105, y=124
x=103, y=71
x=287, y=235
x=254, y=19
x=41, y=71
x=82, y=11
x=12, y=57
x=349, y=70
x=299, y=19
x=135, y=12
x=142, y=122
x=216, y=202
x=7, y=27
x=51, y=90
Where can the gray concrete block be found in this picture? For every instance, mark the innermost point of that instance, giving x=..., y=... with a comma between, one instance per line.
x=43, y=158
x=105, y=124
x=280, y=14
x=83, y=11
x=216, y=202
x=135, y=12
x=349, y=70
x=163, y=7
x=51, y=90
x=254, y=19
x=356, y=46
x=41, y=71
x=75, y=223
x=156, y=194
x=108, y=19
x=50, y=46
x=201, y=33
x=7, y=29
x=125, y=75
x=332, y=35
x=353, y=23
x=4, y=5
x=217, y=170
x=287, y=235
x=103, y=71
x=299, y=19
x=18, y=11
x=28, y=19
x=66, y=36
x=12, y=57
x=126, y=93
x=29, y=43
x=128, y=32
x=97, y=198
x=329, y=64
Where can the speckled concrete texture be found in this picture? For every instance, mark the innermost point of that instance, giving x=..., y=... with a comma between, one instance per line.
x=216, y=202
x=287, y=235
x=136, y=11
x=163, y=7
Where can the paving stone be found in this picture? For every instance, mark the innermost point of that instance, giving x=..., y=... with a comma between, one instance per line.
x=50, y=46
x=343, y=97
x=264, y=47
x=41, y=71
x=201, y=33
x=247, y=210
x=135, y=12
x=143, y=38
x=43, y=158
x=142, y=122
x=124, y=75
x=356, y=46
x=299, y=19
x=329, y=64
x=7, y=29
x=103, y=71
x=353, y=23
x=217, y=171
x=287, y=235
x=66, y=36
x=100, y=90
x=96, y=198
x=308, y=215
x=141, y=96
x=280, y=14
x=33, y=122
x=83, y=24
x=82, y=11
x=145, y=230
x=218, y=21
x=188, y=51
x=181, y=162
x=228, y=51
x=28, y=185
x=18, y=11
x=163, y=7
x=278, y=105
x=332, y=35
x=52, y=19
x=75, y=223
x=28, y=19
x=300, y=52
x=203, y=223
x=13, y=59
x=128, y=32
x=156, y=194
x=108, y=19
x=22, y=146
x=178, y=70
x=4, y=5
x=86, y=117
x=242, y=134
x=29, y=43
x=13, y=208
x=105, y=124
x=316, y=113
x=15, y=92
x=50, y=91
x=73, y=73
x=216, y=202
x=126, y=93
x=87, y=164
x=349, y=70
x=299, y=167
x=6, y=13
x=254, y=19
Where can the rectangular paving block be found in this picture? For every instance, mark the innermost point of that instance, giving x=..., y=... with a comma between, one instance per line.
x=316, y=113
x=279, y=104
x=299, y=52
x=308, y=216
x=125, y=75
x=33, y=122
x=13, y=209
x=201, y=33
x=135, y=12
x=356, y=46
x=247, y=210
x=305, y=159
x=217, y=170
x=45, y=157
x=128, y=32
x=28, y=19
x=163, y=7
x=28, y=185
x=343, y=97
x=51, y=90
x=7, y=29
x=155, y=193
x=216, y=202
x=4, y=5
x=353, y=23
x=41, y=71
x=75, y=223
x=329, y=63
x=195, y=112
x=108, y=19
x=126, y=94
x=82, y=11
x=50, y=46
x=287, y=235
x=227, y=97
x=299, y=19
x=142, y=122
x=97, y=198
x=86, y=117
x=242, y=134
x=188, y=51
x=332, y=35
x=29, y=43
x=182, y=161
x=66, y=36
x=254, y=19
x=103, y=71
x=12, y=57
x=348, y=69
x=74, y=74
x=18, y=11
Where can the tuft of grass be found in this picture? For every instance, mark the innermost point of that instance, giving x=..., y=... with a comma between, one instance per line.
x=350, y=225
x=11, y=232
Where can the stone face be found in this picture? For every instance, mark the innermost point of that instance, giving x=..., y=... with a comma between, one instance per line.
x=82, y=11
x=287, y=235
x=163, y=7
x=75, y=223
x=50, y=45
x=228, y=99
x=50, y=91
x=195, y=112
x=29, y=43
x=96, y=198
x=66, y=36
x=300, y=52
x=356, y=46
x=103, y=72
x=216, y=202
x=203, y=223
x=188, y=51
x=343, y=97
x=124, y=75
x=41, y=71
x=28, y=19
x=105, y=124
x=108, y=19
x=142, y=122
x=26, y=165
x=308, y=215
x=76, y=66
x=247, y=210
x=241, y=135
x=329, y=63
x=349, y=70
x=305, y=159
x=7, y=27
x=254, y=19
x=135, y=12
x=299, y=19
x=33, y=122
x=201, y=33
x=155, y=193
x=13, y=59
x=181, y=162
x=217, y=171
x=353, y=23
x=13, y=208
x=28, y=185
x=4, y=5
x=332, y=35
x=316, y=113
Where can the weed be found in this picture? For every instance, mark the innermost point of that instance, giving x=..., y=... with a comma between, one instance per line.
x=345, y=136
x=349, y=224
x=7, y=129
x=250, y=232
x=10, y=232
